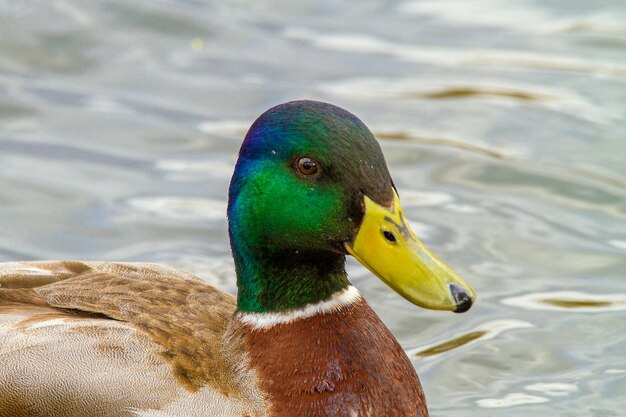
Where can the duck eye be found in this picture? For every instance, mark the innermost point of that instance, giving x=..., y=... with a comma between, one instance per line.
x=306, y=166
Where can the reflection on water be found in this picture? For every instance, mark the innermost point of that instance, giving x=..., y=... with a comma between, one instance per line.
x=511, y=400
x=179, y=208
x=467, y=92
x=451, y=56
x=568, y=300
x=403, y=136
x=451, y=344
x=487, y=330
x=503, y=124
x=554, y=389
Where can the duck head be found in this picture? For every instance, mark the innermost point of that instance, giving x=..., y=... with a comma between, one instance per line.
x=311, y=186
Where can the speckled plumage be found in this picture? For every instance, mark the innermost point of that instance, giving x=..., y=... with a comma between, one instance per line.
x=111, y=339
x=94, y=339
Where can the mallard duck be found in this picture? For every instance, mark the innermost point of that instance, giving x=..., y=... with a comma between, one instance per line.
x=117, y=339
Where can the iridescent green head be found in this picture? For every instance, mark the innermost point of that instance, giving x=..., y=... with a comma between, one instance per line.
x=297, y=202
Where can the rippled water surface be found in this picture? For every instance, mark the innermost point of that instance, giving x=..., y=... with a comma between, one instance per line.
x=503, y=123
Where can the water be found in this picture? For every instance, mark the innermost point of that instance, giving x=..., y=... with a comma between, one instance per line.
x=504, y=125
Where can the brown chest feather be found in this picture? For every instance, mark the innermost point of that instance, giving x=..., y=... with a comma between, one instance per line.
x=339, y=364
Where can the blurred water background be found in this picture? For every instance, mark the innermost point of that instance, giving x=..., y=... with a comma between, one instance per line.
x=503, y=123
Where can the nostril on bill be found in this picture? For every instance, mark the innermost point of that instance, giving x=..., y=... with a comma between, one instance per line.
x=462, y=297
x=389, y=236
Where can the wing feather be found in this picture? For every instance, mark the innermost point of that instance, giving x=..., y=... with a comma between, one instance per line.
x=95, y=338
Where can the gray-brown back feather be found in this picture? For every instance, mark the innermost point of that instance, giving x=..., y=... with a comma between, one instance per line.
x=79, y=338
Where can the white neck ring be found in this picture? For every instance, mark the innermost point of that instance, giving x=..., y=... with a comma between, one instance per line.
x=336, y=302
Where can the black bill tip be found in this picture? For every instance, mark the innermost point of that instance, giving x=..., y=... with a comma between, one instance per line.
x=462, y=297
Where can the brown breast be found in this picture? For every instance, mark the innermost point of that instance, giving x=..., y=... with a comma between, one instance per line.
x=345, y=363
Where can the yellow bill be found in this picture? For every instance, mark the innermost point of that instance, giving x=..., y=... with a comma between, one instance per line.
x=386, y=246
